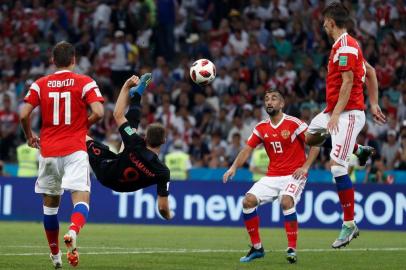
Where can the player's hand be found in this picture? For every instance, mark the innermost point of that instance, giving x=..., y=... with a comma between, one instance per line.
x=378, y=115
x=132, y=81
x=332, y=125
x=33, y=142
x=300, y=173
x=228, y=175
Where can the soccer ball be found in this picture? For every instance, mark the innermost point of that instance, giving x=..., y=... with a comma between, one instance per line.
x=202, y=72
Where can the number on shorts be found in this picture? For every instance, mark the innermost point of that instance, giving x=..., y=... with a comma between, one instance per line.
x=337, y=150
x=56, y=96
x=277, y=147
x=291, y=188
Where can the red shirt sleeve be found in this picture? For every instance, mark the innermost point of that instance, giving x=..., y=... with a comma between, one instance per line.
x=254, y=139
x=347, y=58
x=32, y=96
x=91, y=93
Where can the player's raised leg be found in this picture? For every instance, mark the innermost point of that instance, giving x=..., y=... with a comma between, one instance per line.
x=134, y=111
x=79, y=216
x=51, y=226
x=350, y=124
x=251, y=221
x=291, y=226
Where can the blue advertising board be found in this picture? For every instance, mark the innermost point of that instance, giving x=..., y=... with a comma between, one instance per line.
x=379, y=207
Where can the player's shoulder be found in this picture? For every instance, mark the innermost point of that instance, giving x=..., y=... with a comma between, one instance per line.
x=264, y=122
x=293, y=120
x=82, y=78
x=346, y=41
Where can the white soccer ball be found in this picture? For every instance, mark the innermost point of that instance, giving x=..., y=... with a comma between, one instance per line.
x=202, y=72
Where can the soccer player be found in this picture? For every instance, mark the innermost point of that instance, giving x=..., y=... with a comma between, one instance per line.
x=138, y=165
x=63, y=163
x=344, y=116
x=283, y=138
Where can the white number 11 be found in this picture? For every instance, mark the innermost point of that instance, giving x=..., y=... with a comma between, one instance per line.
x=56, y=96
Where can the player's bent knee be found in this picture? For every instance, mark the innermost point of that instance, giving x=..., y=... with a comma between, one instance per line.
x=250, y=201
x=287, y=202
x=337, y=170
x=314, y=139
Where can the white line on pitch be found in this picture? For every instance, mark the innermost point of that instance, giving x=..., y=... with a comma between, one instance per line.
x=154, y=251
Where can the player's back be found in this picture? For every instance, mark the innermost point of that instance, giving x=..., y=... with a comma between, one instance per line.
x=346, y=55
x=63, y=98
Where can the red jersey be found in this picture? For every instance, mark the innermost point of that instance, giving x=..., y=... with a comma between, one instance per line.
x=63, y=98
x=284, y=144
x=345, y=55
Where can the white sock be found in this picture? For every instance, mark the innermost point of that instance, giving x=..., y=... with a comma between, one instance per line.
x=258, y=246
x=349, y=223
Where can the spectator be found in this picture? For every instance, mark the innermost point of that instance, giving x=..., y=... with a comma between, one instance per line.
x=198, y=151
x=389, y=150
x=259, y=163
x=8, y=128
x=178, y=162
x=27, y=158
x=400, y=158
x=235, y=147
x=166, y=15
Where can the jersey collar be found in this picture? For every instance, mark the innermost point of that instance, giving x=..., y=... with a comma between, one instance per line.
x=277, y=125
x=339, y=38
x=62, y=71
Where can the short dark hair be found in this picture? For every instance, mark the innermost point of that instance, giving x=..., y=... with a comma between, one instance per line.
x=155, y=135
x=338, y=12
x=271, y=90
x=63, y=54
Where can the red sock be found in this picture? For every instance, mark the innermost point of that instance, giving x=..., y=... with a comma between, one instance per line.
x=252, y=226
x=78, y=221
x=355, y=149
x=79, y=216
x=53, y=241
x=347, y=203
x=291, y=228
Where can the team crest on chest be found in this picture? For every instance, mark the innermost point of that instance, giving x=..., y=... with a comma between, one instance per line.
x=285, y=133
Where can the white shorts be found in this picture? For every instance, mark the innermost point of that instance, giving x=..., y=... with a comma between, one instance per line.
x=350, y=124
x=57, y=174
x=270, y=188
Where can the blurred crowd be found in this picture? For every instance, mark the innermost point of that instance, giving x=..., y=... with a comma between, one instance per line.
x=254, y=44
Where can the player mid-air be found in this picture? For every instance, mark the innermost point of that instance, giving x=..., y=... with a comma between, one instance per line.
x=284, y=141
x=344, y=116
x=63, y=164
x=138, y=165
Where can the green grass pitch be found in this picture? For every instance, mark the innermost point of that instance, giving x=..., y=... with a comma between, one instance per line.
x=105, y=246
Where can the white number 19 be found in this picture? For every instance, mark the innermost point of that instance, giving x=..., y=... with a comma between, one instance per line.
x=56, y=96
x=277, y=147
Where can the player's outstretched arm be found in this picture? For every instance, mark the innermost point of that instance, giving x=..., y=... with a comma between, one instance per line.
x=371, y=82
x=242, y=157
x=302, y=171
x=25, y=118
x=163, y=206
x=123, y=100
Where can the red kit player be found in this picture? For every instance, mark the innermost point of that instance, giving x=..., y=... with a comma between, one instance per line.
x=64, y=98
x=344, y=116
x=284, y=141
